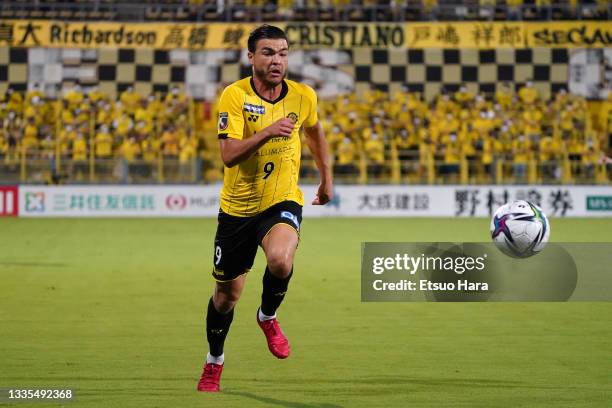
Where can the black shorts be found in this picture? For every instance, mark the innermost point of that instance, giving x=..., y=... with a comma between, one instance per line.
x=237, y=238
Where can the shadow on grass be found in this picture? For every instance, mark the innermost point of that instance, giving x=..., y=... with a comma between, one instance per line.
x=279, y=402
x=410, y=383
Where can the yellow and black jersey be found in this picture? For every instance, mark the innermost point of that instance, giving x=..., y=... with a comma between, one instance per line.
x=271, y=174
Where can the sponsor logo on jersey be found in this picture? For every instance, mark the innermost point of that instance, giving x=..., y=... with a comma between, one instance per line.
x=256, y=109
x=223, y=120
x=291, y=217
x=293, y=116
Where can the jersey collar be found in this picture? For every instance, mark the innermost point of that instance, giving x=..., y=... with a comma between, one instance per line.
x=284, y=90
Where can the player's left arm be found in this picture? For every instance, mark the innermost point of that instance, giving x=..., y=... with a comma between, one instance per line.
x=315, y=138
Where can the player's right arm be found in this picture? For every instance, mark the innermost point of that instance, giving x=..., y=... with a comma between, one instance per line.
x=234, y=147
x=234, y=151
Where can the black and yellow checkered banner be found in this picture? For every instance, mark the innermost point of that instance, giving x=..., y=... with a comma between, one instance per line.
x=418, y=35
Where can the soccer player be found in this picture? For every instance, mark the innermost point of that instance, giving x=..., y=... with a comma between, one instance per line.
x=261, y=204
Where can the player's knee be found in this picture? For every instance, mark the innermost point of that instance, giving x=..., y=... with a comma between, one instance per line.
x=225, y=300
x=280, y=264
x=225, y=303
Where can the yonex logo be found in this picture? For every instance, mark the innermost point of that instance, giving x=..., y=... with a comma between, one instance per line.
x=290, y=216
x=253, y=118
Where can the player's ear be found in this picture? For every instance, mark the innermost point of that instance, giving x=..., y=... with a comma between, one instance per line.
x=250, y=56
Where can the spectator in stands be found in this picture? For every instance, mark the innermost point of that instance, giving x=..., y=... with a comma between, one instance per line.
x=374, y=149
x=104, y=143
x=514, y=11
x=335, y=137
x=33, y=109
x=451, y=149
x=347, y=156
x=79, y=156
x=528, y=95
x=492, y=151
x=104, y=114
x=150, y=148
x=30, y=136
x=130, y=100
x=407, y=145
x=34, y=92
x=74, y=96
x=47, y=147
x=143, y=130
x=3, y=145
x=483, y=123
x=549, y=154
x=15, y=101
x=591, y=159
x=12, y=128
x=504, y=96
x=170, y=142
x=470, y=142
x=187, y=156
x=143, y=113
x=463, y=96
x=96, y=96
x=123, y=123
x=154, y=108
x=521, y=149
x=66, y=137
x=449, y=124
x=130, y=150
x=176, y=100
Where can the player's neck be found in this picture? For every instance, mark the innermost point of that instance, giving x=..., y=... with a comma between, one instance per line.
x=270, y=93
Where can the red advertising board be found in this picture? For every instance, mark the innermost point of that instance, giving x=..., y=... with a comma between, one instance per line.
x=9, y=201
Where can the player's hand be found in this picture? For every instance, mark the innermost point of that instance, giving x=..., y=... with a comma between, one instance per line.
x=282, y=127
x=324, y=194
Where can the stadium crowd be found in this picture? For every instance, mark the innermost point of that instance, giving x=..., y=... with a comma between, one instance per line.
x=309, y=10
x=133, y=127
x=512, y=127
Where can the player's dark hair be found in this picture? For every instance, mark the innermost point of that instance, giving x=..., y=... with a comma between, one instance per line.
x=264, y=32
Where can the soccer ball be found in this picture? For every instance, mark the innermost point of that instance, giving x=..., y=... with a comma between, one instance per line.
x=520, y=229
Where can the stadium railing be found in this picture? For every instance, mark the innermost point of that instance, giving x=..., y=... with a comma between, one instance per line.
x=32, y=168
x=428, y=170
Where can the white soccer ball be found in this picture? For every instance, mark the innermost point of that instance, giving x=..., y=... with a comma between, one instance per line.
x=520, y=229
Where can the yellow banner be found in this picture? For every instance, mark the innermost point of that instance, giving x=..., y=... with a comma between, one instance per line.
x=466, y=35
x=484, y=35
x=40, y=33
x=576, y=34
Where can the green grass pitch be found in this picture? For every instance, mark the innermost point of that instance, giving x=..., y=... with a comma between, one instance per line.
x=114, y=308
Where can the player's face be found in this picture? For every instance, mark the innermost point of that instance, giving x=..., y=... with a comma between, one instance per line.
x=270, y=61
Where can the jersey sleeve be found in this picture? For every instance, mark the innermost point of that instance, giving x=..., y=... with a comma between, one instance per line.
x=312, y=116
x=231, y=120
